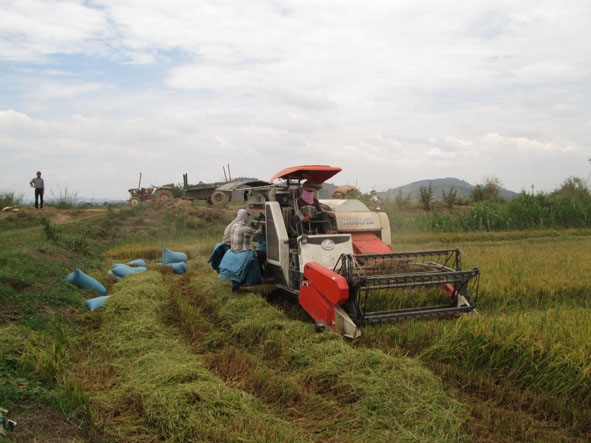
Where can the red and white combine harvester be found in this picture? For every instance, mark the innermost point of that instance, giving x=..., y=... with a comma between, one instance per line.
x=350, y=276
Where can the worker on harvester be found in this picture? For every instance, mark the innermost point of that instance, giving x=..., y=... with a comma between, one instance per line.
x=220, y=248
x=240, y=264
x=309, y=213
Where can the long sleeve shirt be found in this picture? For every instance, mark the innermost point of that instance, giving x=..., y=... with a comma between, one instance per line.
x=241, y=237
x=308, y=210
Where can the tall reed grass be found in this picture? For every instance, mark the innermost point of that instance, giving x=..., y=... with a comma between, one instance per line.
x=562, y=209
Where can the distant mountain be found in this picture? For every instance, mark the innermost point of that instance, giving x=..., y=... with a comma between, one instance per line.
x=438, y=185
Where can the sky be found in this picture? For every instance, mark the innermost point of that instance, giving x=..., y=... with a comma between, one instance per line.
x=95, y=92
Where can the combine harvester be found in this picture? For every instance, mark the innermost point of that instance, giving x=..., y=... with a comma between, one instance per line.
x=351, y=277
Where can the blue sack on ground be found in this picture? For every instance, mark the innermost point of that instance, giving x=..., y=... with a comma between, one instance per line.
x=95, y=303
x=139, y=262
x=113, y=276
x=169, y=256
x=178, y=268
x=121, y=271
x=83, y=281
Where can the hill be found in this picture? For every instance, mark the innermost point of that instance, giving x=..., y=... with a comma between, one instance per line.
x=438, y=185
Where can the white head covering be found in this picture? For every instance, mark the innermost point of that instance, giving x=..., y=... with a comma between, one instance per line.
x=242, y=216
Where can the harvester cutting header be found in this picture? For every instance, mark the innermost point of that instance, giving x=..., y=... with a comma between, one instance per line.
x=338, y=259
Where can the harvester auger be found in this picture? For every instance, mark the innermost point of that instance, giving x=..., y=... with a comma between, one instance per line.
x=349, y=276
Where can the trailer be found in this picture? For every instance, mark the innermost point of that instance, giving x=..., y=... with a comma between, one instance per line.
x=220, y=192
x=200, y=191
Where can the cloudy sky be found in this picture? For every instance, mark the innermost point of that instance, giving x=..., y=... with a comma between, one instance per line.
x=93, y=92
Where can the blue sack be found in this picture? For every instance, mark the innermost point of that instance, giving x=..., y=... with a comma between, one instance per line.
x=169, y=256
x=113, y=276
x=83, y=281
x=138, y=262
x=121, y=271
x=95, y=303
x=178, y=268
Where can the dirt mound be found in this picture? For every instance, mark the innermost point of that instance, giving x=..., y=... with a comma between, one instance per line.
x=176, y=207
x=180, y=207
x=54, y=215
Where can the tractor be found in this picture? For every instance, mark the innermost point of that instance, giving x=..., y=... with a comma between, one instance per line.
x=153, y=193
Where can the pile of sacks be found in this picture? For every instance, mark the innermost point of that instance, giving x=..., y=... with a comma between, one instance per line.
x=176, y=260
x=120, y=270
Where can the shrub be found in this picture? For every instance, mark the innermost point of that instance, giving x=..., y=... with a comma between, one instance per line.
x=10, y=199
x=64, y=199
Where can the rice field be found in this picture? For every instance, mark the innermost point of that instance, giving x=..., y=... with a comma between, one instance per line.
x=526, y=347
x=181, y=358
x=529, y=344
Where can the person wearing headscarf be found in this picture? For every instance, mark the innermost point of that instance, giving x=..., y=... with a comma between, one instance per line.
x=228, y=229
x=220, y=248
x=241, y=234
x=309, y=212
x=240, y=264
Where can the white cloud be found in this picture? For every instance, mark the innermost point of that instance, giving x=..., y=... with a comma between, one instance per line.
x=33, y=29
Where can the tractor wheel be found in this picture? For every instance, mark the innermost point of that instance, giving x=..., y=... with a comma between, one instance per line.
x=219, y=198
x=134, y=201
x=164, y=195
x=338, y=195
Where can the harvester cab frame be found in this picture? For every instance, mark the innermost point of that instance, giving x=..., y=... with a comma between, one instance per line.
x=351, y=277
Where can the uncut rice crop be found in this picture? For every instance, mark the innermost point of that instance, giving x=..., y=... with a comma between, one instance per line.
x=543, y=356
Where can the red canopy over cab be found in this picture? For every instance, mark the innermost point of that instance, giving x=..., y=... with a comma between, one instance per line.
x=315, y=173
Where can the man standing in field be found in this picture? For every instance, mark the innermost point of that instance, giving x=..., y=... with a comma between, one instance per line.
x=39, y=186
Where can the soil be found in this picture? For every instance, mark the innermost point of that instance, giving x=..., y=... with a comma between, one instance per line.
x=35, y=423
x=177, y=207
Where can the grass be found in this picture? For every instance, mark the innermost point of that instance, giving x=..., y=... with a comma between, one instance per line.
x=180, y=358
x=175, y=397
x=314, y=379
x=10, y=199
